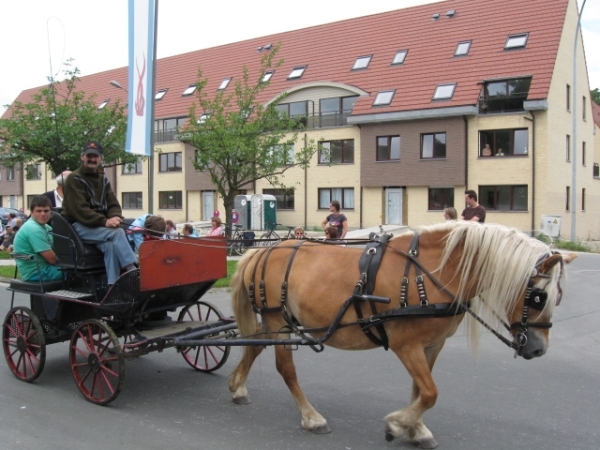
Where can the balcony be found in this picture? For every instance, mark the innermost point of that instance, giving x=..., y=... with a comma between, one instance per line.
x=165, y=136
x=502, y=104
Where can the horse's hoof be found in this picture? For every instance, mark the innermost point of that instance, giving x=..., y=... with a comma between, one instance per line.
x=323, y=429
x=389, y=436
x=241, y=400
x=426, y=443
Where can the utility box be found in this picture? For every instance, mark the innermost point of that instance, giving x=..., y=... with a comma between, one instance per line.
x=242, y=205
x=264, y=211
x=550, y=225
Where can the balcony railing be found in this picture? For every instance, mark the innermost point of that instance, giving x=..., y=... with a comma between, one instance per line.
x=165, y=135
x=501, y=104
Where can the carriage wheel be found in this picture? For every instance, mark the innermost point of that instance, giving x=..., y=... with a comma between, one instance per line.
x=209, y=358
x=24, y=343
x=97, y=362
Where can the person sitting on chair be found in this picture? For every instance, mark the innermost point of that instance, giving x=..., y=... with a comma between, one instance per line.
x=189, y=231
x=35, y=239
x=91, y=207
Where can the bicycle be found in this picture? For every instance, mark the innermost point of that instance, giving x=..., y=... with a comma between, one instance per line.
x=271, y=237
x=235, y=243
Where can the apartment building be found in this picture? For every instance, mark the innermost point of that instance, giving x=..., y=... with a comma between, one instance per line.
x=406, y=102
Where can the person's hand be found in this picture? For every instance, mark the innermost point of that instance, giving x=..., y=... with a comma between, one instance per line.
x=113, y=222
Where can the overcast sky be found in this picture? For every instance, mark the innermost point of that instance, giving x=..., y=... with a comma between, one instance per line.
x=38, y=35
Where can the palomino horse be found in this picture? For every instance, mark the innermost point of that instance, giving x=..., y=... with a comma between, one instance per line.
x=506, y=277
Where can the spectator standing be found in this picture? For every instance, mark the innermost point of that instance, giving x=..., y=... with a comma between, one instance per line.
x=299, y=233
x=56, y=195
x=7, y=239
x=12, y=220
x=335, y=219
x=474, y=211
x=450, y=213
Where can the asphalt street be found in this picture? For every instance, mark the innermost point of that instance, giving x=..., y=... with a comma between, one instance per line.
x=488, y=401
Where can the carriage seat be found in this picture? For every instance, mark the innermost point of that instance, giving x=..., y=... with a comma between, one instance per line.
x=71, y=252
x=36, y=287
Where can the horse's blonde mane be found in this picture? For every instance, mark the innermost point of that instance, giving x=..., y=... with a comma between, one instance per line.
x=495, y=266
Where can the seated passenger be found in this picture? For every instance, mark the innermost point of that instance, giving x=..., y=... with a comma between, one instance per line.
x=215, y=229
x=35, y=239
x=189, y=231
x=91, y=207
x=143, y=227
x=299, y=233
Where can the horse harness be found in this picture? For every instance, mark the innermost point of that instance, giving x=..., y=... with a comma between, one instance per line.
x=369, y=262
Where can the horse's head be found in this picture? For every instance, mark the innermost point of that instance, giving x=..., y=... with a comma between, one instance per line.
x=531, y=318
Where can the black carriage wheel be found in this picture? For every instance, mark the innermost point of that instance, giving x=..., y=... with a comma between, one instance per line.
x=97, y=362
x=203, y=358
x=24, y=343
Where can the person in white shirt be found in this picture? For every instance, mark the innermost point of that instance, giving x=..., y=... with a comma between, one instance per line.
x=56, y=195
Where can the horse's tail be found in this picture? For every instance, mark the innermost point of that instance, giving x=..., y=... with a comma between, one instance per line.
x=245, y=317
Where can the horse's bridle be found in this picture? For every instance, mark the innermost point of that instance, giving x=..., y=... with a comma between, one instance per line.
x=534, y=298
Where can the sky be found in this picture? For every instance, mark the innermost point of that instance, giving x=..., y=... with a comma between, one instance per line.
x=38, y=35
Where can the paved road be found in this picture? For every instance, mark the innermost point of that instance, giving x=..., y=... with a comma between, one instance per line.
x=492, y=402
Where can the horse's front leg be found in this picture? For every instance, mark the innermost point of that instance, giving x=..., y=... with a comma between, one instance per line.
x=237, y=379
x=409, y=420
x=311, y=419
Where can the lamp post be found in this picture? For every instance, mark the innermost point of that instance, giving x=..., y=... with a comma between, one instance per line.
x=117, y=85
x=574, y=114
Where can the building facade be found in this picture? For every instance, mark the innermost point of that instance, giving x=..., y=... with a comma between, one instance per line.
x=414, y=106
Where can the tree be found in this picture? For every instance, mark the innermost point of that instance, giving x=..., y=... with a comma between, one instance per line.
x=595, y=96
x=239, y=140
x=56, y=124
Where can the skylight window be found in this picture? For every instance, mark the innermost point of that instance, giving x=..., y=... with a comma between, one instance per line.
x=383, y=98
x=267, y=76
x=444, y=91
x=362, y=62
x=297, y=72
x=189, y=90
x=160, y=94
x=103, y=104
x=399, y=57
x=224, y=84
x=462, y=49
x=203, y=118
x=516, y=41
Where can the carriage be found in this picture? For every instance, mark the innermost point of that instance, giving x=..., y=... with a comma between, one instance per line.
x=407, y=294
x=107, y=325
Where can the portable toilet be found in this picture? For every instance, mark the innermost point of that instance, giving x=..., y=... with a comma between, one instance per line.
x=264, y=210
x=242, y=204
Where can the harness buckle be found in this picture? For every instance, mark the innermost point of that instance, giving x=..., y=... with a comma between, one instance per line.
x=372, y=251
x=412, y=252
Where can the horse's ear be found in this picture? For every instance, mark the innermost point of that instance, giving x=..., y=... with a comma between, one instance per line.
x=550, y=262
x=569, y=257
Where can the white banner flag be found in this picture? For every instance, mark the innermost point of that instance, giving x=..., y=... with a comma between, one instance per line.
x=142, y=20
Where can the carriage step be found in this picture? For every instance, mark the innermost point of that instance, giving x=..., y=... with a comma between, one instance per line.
x=70, y=294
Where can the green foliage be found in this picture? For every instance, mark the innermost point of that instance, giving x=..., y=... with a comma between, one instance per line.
x=8, y=272
x=225, y=282
x=595, y=96
x=55, y=125
x=573, y=246
x=238, y=139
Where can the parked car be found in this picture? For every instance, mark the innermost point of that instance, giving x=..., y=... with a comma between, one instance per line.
x=5, y=211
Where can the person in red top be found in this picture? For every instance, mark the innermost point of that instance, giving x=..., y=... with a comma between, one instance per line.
x=474, y=211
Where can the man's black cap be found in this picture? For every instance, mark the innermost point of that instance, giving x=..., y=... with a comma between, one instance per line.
x=93, y=147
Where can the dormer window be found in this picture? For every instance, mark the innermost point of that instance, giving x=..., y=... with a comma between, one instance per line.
x=267, y=76
x=297, y=72
x=224, y=84
x=383, y=98
x=160, y=94
x=189, y=90
x=462, y=49
x=103, y=104
x=399, y=57
x=203, y=118
x=516, y=41
x=362, y=62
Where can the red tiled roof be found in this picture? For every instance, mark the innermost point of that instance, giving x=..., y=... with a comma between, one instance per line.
x=596, y=113
x=331, y=49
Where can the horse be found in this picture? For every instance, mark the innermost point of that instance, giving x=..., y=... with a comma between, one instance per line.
x=425, y=283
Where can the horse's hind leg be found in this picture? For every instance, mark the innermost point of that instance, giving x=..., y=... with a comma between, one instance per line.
x=311, y=419
x=237, y=379
x=410, y=419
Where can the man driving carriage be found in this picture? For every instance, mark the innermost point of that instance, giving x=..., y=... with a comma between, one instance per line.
x=92, y=208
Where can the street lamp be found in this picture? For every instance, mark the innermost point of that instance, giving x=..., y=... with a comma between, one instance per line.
x=116, y=84
x=574, y=114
